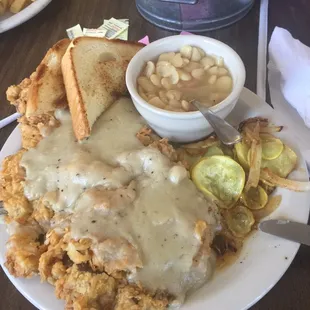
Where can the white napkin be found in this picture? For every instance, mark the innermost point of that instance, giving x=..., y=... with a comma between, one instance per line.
x=289, y=84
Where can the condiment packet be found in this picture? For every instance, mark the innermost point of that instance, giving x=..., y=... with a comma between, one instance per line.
x=123, y=20
x=111, y=29
x=114, y=28
x=124, y=34
x=75, y=32
x=90, y=32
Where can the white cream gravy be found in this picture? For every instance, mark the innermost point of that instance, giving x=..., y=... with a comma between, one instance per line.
x=60, y=169
x=119, y=190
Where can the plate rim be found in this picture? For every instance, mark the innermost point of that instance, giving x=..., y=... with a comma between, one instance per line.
x=23, y=16
x=245, y=93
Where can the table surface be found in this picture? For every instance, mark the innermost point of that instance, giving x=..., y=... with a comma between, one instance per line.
x=22, y=48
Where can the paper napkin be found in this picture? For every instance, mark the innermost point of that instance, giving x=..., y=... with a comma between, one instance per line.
x=289, y=84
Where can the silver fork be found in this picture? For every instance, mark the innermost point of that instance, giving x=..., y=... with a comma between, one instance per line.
x=224, y=131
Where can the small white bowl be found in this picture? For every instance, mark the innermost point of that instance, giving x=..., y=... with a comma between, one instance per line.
x=184, y=126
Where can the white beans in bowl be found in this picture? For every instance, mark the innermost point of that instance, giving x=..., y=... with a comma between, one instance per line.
x=176, y=78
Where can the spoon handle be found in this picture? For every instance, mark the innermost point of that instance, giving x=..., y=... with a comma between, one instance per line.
x=225, y=132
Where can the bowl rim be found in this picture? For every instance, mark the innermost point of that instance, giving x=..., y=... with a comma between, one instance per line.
x=185, y=115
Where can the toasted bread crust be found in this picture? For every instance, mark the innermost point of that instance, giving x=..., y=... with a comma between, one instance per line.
x=77, y=108
x=43, y=72
x=115, y=41
x=81, y=125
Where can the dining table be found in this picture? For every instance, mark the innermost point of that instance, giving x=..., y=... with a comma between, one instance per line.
x=22, y=48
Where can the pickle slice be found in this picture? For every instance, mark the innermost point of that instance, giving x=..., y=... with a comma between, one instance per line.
x=219, y=177
x=239, y=221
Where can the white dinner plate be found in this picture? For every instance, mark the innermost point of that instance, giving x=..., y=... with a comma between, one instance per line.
x=9, y=20
x=262, y=262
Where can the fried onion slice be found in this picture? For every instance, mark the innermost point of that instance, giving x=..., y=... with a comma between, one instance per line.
x=297, y=186
x=255, y=156
x=272, y=204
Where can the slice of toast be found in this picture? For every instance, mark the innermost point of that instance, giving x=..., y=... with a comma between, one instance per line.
x=47, y=91
x=44, y=91
x=94, y=75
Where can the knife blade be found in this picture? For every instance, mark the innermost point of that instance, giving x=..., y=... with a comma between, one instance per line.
x=286, y=229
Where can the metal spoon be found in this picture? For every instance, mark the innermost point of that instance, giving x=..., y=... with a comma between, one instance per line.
x=225, y=132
